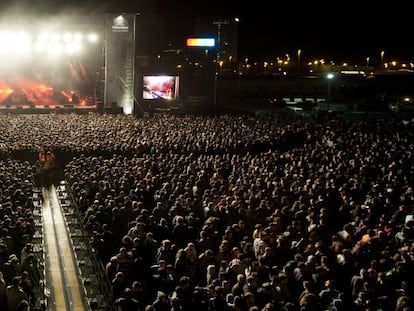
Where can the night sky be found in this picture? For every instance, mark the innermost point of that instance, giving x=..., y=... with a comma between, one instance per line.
x=338, y=30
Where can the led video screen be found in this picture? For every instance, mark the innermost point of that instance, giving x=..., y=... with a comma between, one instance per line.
x=162, y=87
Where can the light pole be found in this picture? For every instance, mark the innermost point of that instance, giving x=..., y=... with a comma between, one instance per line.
x=215, y=91
x=329, y=76
x=217, y=71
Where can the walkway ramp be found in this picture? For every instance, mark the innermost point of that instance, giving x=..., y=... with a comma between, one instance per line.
x=61, y=267
x=74, y=277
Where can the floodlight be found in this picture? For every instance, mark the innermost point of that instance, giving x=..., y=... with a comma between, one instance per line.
x=44, y=37
x=78, y=37
x=93, y=37
x=55, y=37
x=73, y=47
x=67, y=37
x=54, y=48
x=40, y=47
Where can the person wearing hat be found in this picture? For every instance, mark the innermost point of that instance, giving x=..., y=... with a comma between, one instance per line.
x=161, y=303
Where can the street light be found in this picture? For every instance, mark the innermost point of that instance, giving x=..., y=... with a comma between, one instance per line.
x=329, y=76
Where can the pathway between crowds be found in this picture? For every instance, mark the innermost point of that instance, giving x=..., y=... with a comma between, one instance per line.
x=61, y=271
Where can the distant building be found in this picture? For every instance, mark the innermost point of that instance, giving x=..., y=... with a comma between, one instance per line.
x=227, y=39
x=225, y=31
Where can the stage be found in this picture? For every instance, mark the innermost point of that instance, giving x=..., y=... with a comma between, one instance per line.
x=51, y=64
x=43, y=109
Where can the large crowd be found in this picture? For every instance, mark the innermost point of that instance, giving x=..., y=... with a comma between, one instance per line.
x=231, y=212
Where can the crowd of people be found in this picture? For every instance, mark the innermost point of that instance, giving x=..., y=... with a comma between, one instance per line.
x=20, y=274
x=238, y=212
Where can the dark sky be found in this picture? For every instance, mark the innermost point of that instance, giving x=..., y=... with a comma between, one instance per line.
x=336, y=29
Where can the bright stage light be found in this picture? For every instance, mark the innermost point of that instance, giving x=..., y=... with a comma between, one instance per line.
x=54, y=48
x=93, y=37
x=14, y=43
x=73, y=48
x=44, y=37
x=55, y=37
x=67, y=37
x=6, y=91
x=78, y=37
x=119, y=20
x=20, y=43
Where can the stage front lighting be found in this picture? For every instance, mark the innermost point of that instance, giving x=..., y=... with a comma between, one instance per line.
x=55, y=48
x=6, y=91
x=22, y=36
x=55, y=37
x=22, y=43
x=72, y=48
x=40, y=47
x=78, y=37
x=93, y=37
x=44, y=37
x=67, y=37
x=12, y=43
x=22, y=49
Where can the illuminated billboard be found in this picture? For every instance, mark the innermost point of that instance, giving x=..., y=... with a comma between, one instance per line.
x=201, y=42
x=162, y=87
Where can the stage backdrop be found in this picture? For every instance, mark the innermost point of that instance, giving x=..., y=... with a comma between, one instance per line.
x=120, y=62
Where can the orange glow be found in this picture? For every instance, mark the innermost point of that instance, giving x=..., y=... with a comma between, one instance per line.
x=37, y=94
x=84, y=73
x=22, y=90
x=5, y=91
x=73, y=72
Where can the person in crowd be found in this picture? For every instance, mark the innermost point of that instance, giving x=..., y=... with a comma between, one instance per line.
x=15, y=294
x=3, y=286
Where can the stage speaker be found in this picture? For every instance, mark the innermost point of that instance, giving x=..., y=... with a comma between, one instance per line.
x=100, y=106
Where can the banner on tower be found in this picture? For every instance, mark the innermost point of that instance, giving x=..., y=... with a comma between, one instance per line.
x=120, y=62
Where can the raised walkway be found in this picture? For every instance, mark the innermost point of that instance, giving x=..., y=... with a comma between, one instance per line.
x=74, y=279
x=61, y=268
